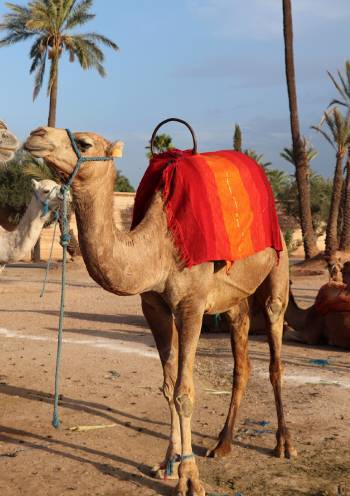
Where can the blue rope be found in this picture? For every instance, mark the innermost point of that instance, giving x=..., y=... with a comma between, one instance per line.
x=175, y=459
x=65, y=239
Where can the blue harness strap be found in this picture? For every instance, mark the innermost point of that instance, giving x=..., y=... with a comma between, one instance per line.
x=65, y=238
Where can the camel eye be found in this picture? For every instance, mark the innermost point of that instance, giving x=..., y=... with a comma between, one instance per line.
x=46, y=191
x=83, y=145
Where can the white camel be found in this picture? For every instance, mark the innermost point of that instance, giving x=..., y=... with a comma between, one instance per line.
x=14, y=245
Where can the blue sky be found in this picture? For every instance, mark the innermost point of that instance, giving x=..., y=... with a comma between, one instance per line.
x=211, y=62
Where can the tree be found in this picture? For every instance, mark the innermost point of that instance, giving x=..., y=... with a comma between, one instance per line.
x=339, y=138
x=237, y=139
x=50, y=23
x=122, y=183
x=343, y=88
x=301, y=165
x=15, y=189
x=161, y=143
x=288, y=153
x=258, y=158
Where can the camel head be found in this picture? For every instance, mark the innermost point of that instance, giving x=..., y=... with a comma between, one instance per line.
x=8, y=143
x=47, y=195
x=54, y=146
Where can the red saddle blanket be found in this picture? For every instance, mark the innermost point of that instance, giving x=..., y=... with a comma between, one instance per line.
x=219, y=205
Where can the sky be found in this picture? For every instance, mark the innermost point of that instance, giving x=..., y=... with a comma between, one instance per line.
x=213, y=63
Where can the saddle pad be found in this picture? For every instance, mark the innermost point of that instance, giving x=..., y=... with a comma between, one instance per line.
x=219, y=205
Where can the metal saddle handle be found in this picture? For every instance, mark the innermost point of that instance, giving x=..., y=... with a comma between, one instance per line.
x=175, y=119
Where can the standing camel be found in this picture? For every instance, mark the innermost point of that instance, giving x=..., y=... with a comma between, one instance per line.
x=8, y=143
x=145, y=261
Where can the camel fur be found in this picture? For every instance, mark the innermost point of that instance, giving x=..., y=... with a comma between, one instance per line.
x=16, y=244
x=145, y=261
x=8, y=143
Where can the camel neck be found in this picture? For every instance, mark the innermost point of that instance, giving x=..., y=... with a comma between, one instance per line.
x=121, y=262
x=17, y=244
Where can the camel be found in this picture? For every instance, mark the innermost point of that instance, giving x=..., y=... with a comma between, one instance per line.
x=310, y=326
x=14, y=245
x=8, y=143
x=145, y=261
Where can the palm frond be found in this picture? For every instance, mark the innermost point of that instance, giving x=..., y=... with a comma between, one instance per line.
x=99, y=38
x=39, y=76
x=79, y=15
x=325, y=135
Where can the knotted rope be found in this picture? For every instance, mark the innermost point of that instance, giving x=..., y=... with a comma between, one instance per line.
x=65, y=238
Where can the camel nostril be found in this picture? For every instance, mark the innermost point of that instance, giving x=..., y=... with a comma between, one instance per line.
x=40, y=131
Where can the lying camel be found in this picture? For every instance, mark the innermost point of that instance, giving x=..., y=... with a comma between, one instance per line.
x=145, y=261
x=327, y=321
x=14, y=245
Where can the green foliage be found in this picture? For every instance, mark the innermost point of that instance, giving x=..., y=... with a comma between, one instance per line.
x=161, y=143
x=258, y=158
x=122, y=183
x=50, y=23
x=338, y=135
x=342, y=86
x=320, y=196
x=15, y=186
x=288, y=153
x=237, y=139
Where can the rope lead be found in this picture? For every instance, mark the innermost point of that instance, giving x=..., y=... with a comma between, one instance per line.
x=65, y=238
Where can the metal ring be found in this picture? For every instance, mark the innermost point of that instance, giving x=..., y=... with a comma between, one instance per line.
x=175, y=119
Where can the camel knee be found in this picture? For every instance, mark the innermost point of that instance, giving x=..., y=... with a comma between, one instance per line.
x=184, y=404
x=274, y=309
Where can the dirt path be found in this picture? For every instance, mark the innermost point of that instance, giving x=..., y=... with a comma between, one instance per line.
x=111, y=375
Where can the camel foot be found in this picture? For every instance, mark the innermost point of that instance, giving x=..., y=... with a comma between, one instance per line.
x=189, y=487
x=167, y=470
x=221, y=449
x=285, y=449
x=189, y=483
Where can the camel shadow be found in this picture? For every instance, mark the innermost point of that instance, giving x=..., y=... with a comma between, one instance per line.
x=30, y=440
x=132, y=320
x=96, y=409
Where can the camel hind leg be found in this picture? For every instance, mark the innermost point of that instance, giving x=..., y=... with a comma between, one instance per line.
x=238, y=318
x=273, y=297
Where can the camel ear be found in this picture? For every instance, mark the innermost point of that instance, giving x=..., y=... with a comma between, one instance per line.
x=116, y=149
x=35, y=184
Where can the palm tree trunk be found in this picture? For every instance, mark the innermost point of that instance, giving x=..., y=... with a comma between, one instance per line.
x=73, y=246
x=299, y=152
x=332, y=225
x=345, y=235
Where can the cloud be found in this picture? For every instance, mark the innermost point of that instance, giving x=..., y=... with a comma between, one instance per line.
x=262, y=19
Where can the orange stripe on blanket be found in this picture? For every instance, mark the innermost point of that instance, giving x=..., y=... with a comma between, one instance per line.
x=236, y=209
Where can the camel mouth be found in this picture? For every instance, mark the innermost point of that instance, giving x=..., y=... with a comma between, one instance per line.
x=37, y=147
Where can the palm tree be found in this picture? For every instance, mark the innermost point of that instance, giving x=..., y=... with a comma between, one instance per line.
x=258, y=158
x=50, y=23
x=339, y=138
x=299, y=152
x=311, y=153
x=161, y=143
x=343, y=88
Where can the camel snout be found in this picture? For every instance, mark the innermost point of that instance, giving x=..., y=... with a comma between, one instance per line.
x=39, y=131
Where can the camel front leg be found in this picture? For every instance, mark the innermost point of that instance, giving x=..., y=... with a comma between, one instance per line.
x=161, y=323
x=189, y=321
x=239, y=327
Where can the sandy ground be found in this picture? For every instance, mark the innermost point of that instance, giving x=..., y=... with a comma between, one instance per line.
x=111, y=375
